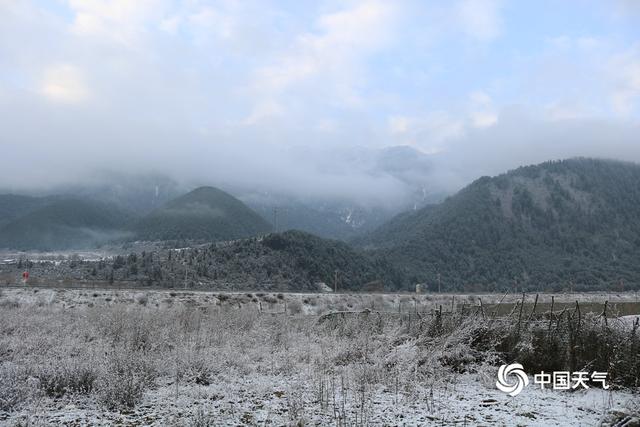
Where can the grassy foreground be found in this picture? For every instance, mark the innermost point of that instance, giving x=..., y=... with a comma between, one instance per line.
x=180, y=364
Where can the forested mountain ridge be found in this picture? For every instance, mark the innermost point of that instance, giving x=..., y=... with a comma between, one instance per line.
x=65, y=224
x=289, y=261
x=14, y=206
x=204, y=214
x=563, y=224
x=571, y=223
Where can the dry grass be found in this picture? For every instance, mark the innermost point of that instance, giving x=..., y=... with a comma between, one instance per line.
x=116, y=353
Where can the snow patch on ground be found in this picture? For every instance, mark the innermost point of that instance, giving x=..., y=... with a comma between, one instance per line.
x=277, y=400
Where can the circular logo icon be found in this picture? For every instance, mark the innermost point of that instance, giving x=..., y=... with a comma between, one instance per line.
x=504, y=384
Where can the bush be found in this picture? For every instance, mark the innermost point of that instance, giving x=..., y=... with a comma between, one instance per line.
x=14, y=387
x=142, y=299
x=56, y=381
x=269, y=299
x=195, y=369
x=202, y=419
x=9, y=303
x=294, y=307
x=567, y=342
x=581, y=342
x=124, y=380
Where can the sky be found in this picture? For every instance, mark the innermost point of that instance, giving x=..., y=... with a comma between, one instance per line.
x=234, y=91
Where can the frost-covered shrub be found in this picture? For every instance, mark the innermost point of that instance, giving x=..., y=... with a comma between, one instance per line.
x=294, y=307
x=202, y=418
x=126, y=375
x=142, y=299
x=269, y=299
x=565, y=341
x=195, y=369
x=130, y=328
x=70, y=376
x=573, y=342
x=9, y=303
x=15, y=387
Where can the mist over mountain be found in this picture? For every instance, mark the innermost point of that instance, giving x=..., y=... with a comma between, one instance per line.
x=66, y=224
x=563, y=224
x=560, y=224
x=14, y=206
x=343, y=192
x=204, y=214
x=138, y=193
x=242, y=212
x=342, y=216
x=339, y=115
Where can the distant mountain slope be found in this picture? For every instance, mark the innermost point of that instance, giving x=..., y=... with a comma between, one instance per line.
x=364, y=188
x=65, y=224
x=291, y=261
x=13, y=206
x=317, y=259
x=204, y=214
x=400, y=228
x=540, y=226
x=332, y=221
x=137, y=193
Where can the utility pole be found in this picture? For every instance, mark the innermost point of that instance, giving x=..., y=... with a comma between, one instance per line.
x=439, y=284
x=283, y=219
x=185, y=275
x=335, y=281
x=275, y=219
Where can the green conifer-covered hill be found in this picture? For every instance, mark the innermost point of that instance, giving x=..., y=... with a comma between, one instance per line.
x=65, y=224
x=572, y=223
x=204, y=214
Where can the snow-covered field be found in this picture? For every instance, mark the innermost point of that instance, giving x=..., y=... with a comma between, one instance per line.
x=85, y=357
x=277, y=400
x=309, y=303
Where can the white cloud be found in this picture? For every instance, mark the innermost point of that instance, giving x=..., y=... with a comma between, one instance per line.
x=399, y=124
x=215, y=20
x=171, y=24
x=561, y=110
x=583, y=77
x=584, y=43
x=522, y=137
x=331, y=57
x=483, y=119
x=428, y=132
x=480, y=19
x=119, y=21
x=629, y=9
x=482, y=112
x=64, y=83
x=480, y=99
x=326, y=125
x=624, y=70
x=264, y=110
x=176, y=78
